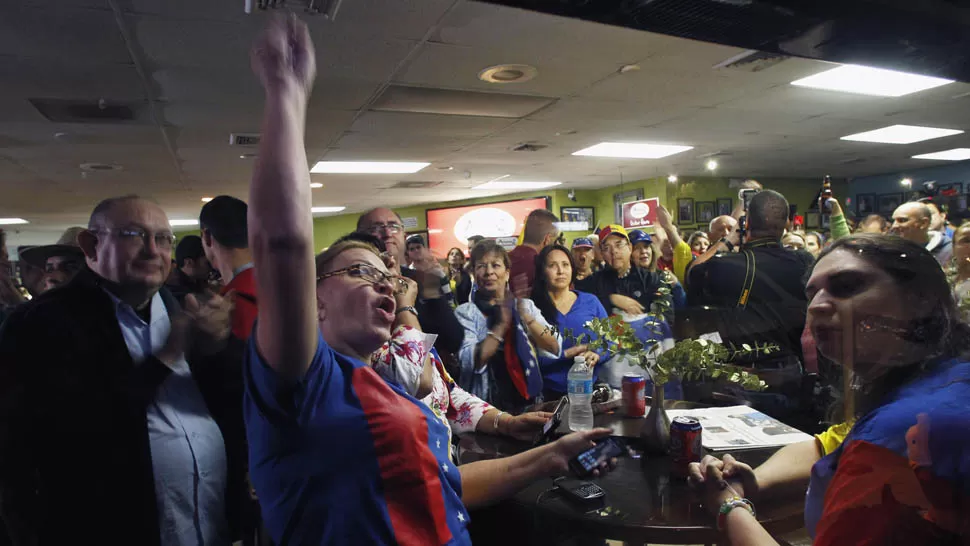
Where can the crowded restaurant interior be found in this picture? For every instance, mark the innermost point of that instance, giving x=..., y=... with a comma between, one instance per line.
x=444, y=272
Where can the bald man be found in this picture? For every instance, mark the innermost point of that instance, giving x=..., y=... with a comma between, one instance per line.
x=912, y=220
x=722, y=226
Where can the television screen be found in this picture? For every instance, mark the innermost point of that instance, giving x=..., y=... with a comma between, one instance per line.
x=451, y=227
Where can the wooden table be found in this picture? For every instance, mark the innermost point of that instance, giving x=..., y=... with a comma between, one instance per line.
x=644, y=503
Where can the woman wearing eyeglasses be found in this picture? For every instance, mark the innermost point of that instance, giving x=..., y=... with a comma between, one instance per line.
x=338, y=455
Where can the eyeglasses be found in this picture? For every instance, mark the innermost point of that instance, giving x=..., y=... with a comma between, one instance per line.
x=163, y=240
x=367, y=273
x=393, y=228
x=620, y=245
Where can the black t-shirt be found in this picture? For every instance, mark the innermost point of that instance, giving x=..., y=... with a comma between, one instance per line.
x=640, y=284
x=776, y=304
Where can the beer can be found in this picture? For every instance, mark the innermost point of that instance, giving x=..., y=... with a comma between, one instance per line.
x=685, y=444
x=634, y=390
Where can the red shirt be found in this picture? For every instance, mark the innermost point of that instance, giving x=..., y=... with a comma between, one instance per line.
x=245, y=309
x=523, y=269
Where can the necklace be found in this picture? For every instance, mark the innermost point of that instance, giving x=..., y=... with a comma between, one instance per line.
x=624, y=274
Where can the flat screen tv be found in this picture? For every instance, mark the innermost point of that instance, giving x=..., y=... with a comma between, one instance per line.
x=451, y=227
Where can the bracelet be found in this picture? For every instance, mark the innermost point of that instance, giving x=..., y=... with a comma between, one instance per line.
x=407, y=308
x=495, y=423
x=728, y=244
x=731, y=504
x=495, y=336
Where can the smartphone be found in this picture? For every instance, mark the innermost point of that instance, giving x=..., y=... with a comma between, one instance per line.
x=587, y=461
x=745, y=196
x=548, y=429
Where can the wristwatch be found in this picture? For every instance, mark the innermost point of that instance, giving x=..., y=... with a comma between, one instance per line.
x=728, y=244
x=407, y=308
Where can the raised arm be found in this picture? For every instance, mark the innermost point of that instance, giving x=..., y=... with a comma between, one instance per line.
x=280, y=224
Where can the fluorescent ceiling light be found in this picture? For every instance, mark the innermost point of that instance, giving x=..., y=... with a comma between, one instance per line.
x=956, y=154
x=870, y=81
x=635, y=150
x=12, y=221
x=183, y=222
x=207, y=199
x=513, y=185
x=316, y=185
x=368, y=167
x=327, y=209
x=902, y=134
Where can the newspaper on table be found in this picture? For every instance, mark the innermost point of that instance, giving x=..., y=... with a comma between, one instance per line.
x=740, y=427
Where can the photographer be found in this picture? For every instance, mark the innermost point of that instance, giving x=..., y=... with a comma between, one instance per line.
x=757, y=296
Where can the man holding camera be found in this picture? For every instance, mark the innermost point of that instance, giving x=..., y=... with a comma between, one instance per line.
x=756, y=296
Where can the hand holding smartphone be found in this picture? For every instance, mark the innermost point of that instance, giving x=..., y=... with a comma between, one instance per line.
x=549, y=429
x=587, y=461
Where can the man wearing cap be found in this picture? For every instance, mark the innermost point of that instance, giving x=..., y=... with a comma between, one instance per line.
x=192, y=269
x=583, y=255
x=59, y=261
x=621, y=285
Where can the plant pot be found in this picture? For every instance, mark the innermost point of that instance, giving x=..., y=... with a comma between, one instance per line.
x=698, y=391
x=655, y=433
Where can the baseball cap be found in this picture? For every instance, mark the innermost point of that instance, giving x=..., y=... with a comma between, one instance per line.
x=415, y=239
x=582, y=242
x=613, y=229
x=640, y=236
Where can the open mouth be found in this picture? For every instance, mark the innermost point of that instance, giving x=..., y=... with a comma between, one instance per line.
x=387, y=307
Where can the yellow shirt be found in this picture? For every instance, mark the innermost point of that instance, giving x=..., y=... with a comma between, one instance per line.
x=682, y=258
x=831, y=439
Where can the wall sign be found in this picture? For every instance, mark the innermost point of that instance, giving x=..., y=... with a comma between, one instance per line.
x=410, y=222
x=640, y=214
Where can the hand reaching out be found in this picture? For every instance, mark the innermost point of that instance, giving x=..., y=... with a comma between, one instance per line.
x=664, y=218
x=283, y=57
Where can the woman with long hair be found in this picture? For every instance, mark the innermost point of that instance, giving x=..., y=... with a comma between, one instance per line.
x=568, y=310
x=881, y=307
x=504, y=334
x=458, y=277
x=337, y=454
x=814, y=242
x=698, y=242
x=959, y=269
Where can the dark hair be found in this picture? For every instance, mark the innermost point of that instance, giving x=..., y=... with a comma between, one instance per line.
x=540, y=287
x=818, y=236
x=225, y=219
x=767, y=214
x=877, y=218
x=360, y=219
x=415, y=239
x=538, y=224
x=919, y=276
x=189, y=248
x=488, y=247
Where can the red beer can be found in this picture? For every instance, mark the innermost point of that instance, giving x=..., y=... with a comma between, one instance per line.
x=634, y=403
x=685, y=444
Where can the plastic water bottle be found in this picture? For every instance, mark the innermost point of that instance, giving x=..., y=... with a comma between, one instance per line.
x=579, y=384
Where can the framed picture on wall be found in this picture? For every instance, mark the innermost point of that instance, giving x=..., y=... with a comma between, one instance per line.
x=725, y=206
x=685, y=211
x=811, y=220
x=705, y=212
x=889, y=202
x=865, y=204
x=958, y=186
x=623, y=197
x=578, y=216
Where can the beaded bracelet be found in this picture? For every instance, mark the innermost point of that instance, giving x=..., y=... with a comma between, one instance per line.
x=731, y=504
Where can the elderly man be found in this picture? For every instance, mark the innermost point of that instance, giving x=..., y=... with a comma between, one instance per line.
x=911, y=221
x=433, y=307
x=120, y=417
x=721, y=227
x=59, y=261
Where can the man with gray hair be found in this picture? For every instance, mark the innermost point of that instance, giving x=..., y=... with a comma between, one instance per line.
x=912, y=220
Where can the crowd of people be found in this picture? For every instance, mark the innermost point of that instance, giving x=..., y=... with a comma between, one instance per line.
x=154, y=393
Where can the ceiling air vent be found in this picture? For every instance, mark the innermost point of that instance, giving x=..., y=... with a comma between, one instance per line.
x=752, y=60
x=531, y=146
x=413, y=185
x=243, y=139
x=87, y=111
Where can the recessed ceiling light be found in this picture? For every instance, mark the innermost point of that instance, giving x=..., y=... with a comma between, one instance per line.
x=206, y=199
x=902, y=134
x=508, y=73
x=870, y=81
x=672, y=178
x=326, y=209
x=635, y=150
x=956, y=154
x=183, y=222
x=711, y=165
x=12, y=221
x=906, y=182
x=368, y=167
x=316, y=185
x=246, y=156
x=515, y=185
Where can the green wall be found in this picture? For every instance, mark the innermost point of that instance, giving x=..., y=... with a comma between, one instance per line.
x=799, y=192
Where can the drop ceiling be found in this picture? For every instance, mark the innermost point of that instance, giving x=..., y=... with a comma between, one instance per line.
x=186, y=63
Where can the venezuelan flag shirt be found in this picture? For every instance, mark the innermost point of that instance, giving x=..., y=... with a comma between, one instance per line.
x=342, y=457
